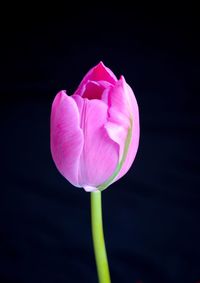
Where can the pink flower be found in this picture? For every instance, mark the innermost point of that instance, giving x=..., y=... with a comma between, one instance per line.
x=95, y=132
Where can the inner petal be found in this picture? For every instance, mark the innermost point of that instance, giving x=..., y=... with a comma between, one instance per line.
x=98, y=73
x=93, y=90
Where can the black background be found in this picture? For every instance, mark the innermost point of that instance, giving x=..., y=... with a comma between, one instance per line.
x=151, y=216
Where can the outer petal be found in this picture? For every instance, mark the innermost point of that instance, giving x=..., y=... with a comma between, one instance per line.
x=97, y=73
x=99, y=157
x=119, y=115
x=66, y=136
x=134, y=132
x=122, y=126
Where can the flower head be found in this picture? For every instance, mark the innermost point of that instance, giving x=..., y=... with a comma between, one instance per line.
x=95, y=132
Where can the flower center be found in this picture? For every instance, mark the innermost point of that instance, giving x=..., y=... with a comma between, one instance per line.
x=93, y=90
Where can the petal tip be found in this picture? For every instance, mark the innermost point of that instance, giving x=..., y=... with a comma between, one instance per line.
x=61, y=94
x=58, y=98
x=122, y=79
x=100, y=65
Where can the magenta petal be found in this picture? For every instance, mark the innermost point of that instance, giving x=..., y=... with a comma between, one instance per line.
x=66, y=136
x=98, y=73
x=134, y=133
x=119, y=103
x=100, y=156
x=93, y=90
x=123, y=123
x=118, y=134
x=119, y=116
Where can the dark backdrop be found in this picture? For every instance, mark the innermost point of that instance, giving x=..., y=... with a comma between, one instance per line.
x=151, y=216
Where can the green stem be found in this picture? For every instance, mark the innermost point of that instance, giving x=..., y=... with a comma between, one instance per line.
x=98, y=238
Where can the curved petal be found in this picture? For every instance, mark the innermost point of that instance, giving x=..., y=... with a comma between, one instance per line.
x=98, y=73
x=134, y=132
x=66, y=136
x=93, y=90
x=119, y=115
x=100, y=156
x=122, y=126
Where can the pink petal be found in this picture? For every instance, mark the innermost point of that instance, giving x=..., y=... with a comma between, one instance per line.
x=135, y=133
x=100, y=156
x=66, y=136
x=98, y=73
x=93, y=90
x=123, y=123
x=119, y=116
